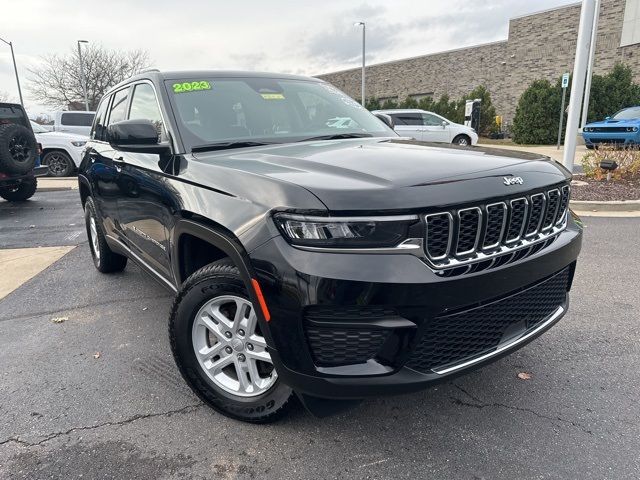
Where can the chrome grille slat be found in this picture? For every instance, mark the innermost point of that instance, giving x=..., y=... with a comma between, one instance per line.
x=517, y=219
x=498, y=233
x=469, y=228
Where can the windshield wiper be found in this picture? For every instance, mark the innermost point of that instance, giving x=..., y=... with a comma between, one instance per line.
x=228, y=145
x=337, y=136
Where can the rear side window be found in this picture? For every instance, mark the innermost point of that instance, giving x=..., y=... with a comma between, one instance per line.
x=99, y=131
x=407, y=118
x=119, y=106
x=76, y=119
x=144, y=106
x=13, y=114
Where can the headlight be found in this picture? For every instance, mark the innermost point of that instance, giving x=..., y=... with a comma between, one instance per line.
x=635, y=129
x=587, y=129
x=79, y=143
x=350, y=232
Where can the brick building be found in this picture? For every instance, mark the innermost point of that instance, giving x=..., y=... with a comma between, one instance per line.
x=540, y=45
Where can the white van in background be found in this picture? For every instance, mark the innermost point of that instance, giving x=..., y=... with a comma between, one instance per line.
x=73, y=122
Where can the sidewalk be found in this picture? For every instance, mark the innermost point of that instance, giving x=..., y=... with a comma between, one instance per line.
x=50, y=184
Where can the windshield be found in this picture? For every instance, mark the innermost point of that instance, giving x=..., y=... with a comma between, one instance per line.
x=37, y=128
x=259, y=110
x=628, y=114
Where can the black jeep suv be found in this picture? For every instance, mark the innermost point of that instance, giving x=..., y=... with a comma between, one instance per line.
x=311, y=249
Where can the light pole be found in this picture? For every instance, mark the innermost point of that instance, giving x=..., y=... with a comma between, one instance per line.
x=357, y=24
x=82, y=79
x=15, y=68
x=592, y=54
x=587, y=17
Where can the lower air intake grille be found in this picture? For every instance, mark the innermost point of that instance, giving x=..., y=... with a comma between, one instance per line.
x=331, y=347
x=452, y=339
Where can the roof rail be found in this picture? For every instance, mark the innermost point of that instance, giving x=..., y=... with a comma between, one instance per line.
x=147, y=70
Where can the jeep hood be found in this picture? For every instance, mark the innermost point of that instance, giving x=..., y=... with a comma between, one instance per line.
x=376, y=174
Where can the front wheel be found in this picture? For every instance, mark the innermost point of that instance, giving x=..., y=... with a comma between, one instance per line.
x=59, y=163
x=462, y=140
x=23, y=191
x=220, y=349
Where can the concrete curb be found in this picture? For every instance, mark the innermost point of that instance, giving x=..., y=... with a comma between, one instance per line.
x=606, y=206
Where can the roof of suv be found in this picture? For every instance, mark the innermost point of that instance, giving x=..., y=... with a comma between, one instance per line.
x=402, y=110
x=190, y=74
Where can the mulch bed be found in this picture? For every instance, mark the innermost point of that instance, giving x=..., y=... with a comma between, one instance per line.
x=604, y=191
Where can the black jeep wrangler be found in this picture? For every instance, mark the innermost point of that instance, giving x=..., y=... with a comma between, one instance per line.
x=328, y=259
x=19, y=154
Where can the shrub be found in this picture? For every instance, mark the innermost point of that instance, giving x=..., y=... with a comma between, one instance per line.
x=628, y=160
x=612, y=92
x=536, y=119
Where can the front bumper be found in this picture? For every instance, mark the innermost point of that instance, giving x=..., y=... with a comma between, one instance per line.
x=615, y=138
x=321, y=302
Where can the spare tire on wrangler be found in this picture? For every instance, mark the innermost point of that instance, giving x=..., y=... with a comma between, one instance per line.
x=17, y=149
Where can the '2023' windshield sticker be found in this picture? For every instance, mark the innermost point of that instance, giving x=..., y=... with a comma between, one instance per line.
x=272, y=96
x=184, y=87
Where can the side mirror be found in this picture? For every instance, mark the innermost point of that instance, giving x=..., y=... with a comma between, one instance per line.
x=607, y=118
x=386, y=119
x=444, y=124
x=139, y=136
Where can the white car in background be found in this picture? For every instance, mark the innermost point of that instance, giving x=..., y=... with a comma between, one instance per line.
x=430, y=127
x=73, y=122
x=62, y=152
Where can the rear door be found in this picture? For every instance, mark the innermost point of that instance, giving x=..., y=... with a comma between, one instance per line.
x=102, y=167
x=408, y=124
x=146, y=202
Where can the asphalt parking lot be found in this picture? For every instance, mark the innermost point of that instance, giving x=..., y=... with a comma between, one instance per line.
x=98, y=396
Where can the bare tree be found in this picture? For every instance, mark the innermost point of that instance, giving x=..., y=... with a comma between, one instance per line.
x=4, y=97
x=57, y=81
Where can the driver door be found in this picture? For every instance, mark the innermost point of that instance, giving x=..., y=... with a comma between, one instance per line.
x=436, y=129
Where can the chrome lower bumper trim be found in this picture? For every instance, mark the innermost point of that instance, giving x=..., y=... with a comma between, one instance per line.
x=504, y=346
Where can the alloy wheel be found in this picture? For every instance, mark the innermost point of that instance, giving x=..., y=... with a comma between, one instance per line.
x=95, y=245
x=57, y=163
x=230, y=347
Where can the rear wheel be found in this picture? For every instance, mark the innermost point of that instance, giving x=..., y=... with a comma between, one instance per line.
x=462, y=140
x=59, y=163
x=219, y=347
x=21, y=192
x=104, y=259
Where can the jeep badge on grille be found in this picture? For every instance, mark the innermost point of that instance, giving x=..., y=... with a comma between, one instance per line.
x=513, y=181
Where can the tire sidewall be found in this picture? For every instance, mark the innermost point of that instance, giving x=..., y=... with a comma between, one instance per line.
x=244, y=408
x=89, y=211
x=7, y=163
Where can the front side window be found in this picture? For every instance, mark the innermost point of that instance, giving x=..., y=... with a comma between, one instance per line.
x=76, y=119
x=119, y=106
x=267, y=110
x=144, y=106
x=431, y=120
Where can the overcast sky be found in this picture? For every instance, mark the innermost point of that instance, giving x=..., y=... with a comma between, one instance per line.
x=281, y=35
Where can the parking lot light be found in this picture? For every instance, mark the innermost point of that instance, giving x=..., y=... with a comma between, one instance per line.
x=82, y=77
x=357, y=24
x=15, y=68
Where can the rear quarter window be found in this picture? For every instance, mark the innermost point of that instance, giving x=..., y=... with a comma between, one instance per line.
x=77, y=119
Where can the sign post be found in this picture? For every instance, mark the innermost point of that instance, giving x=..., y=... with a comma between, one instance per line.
x=565, y=84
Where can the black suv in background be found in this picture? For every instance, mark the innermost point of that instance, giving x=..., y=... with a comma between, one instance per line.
x=19, y=154
x=330, y=259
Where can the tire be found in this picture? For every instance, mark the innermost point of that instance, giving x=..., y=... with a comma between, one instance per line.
x=23, y=191
x=18, y=149
x=262, y=397
x=104, y=259
x=463, y=140
x=590, y=147
x=60, y=163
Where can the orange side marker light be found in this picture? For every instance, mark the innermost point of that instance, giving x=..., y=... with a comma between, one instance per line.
x=263, y=304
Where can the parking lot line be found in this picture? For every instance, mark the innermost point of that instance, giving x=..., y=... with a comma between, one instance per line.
x=18, y=265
